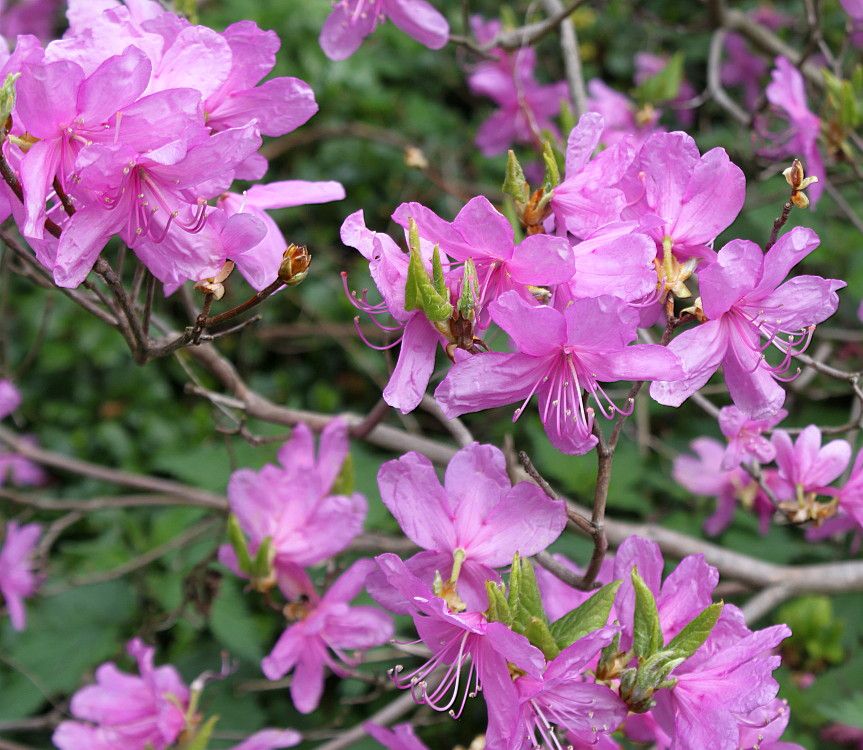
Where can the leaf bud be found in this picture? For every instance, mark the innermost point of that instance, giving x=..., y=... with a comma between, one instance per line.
x=295, y=265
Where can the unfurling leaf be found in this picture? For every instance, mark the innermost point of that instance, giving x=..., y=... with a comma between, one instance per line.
x=588, y=617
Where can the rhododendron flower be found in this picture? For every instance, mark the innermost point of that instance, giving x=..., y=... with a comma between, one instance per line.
x=851, y=494
x=526, y=106
x=704, y=474
x=419, y=340
x=693, y=196
x=484, y=234
x=588, y=198
x=745, y=439
x=726, y=679
x=561, y=350
x=454, y=638
x=351, y=21
x=561, y=697
x=126, y=712
x=292, y=505
x=477, y=516
x=805, y=466
x=324, y=625
x=744, y=299
x=260, y=264
x=17, y=579
x=787, y=93
x=684, y=593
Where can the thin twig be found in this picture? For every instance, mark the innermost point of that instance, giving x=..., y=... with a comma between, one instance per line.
x=571, y=58
x=193, y=495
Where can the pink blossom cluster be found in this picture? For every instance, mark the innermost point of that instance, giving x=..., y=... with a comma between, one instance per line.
x=721, y=695
x=627, y=226
x=131, y=125
x=295, y=512
x=797, y=475
x=526, y=107
x=147, y=711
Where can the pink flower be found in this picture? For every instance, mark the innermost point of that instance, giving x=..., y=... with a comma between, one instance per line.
x=526, y=106
x=419, y=340
x=292, y=505
x=787, y=93
x=326, y=625
x=17, y=579
x=744, y=299
x=561, y=350
x=688, y=197
x=561, y=696
x=456, y=639
x=484, y=234
x=705, y=475
x=127, y=712
x=745, y=439
x=805, y=466
x=588, y=198
x=477, y=511
x=351, y=21
x=260, y=264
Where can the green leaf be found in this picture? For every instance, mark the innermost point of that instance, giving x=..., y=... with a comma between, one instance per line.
x=514, y=582
x=514, y=184
x=552, y=171
x=689, y=640
x=469, y=291
x=239, y=544
x=655, y=669
x=202, y=736
x=588, y=617
x=529, y=603
x=438, y=279
x=420, y=291
x=664, y=86
x=498, y=609
x=647, y=632
x=261, y=565
x=539, y=635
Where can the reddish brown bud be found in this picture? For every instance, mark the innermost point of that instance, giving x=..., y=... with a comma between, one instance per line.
x=295, y=265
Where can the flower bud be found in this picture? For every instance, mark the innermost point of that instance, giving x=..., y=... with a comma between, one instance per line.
x=295, y=265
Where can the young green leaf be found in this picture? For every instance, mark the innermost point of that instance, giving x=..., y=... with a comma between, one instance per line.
x=689, y=640
x=514, y=184
x=529, y=599
x=539, y=635
x=420, y=291
x=239, y=544
x=647, y=633
x=588, y=617
x=498, y=609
